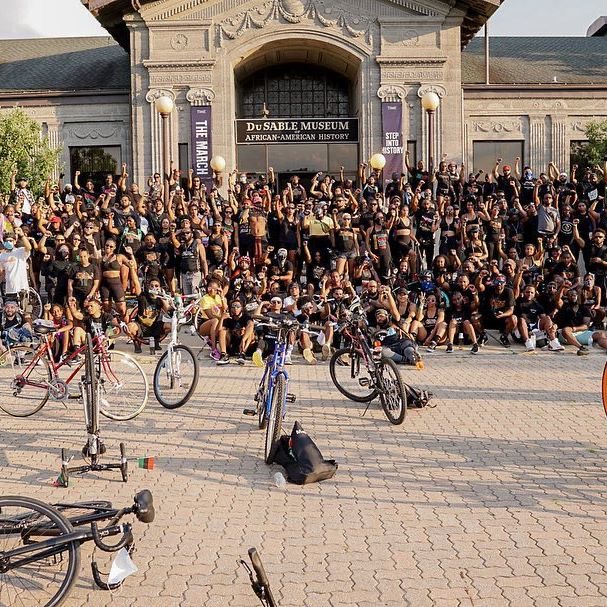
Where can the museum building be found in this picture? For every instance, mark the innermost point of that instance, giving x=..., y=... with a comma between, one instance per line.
x=304, y=86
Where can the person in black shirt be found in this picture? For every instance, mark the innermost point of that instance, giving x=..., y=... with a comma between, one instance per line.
x=84, y=278
x=597, y=259
x=458, y=321
x=497, y=307
x=571, y=321
x=236, y=335
x=532, y=317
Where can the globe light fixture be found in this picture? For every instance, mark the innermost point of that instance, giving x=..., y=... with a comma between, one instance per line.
x=377, y=162
x=430, y=103
x=218, y=164
x=164, y=105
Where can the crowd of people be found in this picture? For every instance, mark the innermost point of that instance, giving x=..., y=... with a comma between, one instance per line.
x=438, y=257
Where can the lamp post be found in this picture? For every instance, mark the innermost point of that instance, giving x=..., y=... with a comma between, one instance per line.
x=164, y=106
x=430, y=103
x=377, y=162
x=218, y=164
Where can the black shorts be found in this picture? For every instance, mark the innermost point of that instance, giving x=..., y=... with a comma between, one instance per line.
x=154, y=330
x=494, y=324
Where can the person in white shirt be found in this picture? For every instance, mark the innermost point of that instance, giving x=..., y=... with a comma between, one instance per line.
x=13, y=263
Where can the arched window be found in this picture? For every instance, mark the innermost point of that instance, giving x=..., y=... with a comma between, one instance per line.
x=295, y=91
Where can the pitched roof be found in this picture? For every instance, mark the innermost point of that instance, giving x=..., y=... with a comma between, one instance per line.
x=528, y=60
x=63, y=64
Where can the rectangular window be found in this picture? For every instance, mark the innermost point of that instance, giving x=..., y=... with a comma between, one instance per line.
x=95, y=162
x=184, y=163
x=577, y=154
x=486, y=153
x=412, y=149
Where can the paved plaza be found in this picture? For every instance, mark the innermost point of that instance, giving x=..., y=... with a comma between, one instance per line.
x=496, y=497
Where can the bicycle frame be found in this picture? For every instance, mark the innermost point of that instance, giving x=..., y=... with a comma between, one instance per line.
x=275, y=367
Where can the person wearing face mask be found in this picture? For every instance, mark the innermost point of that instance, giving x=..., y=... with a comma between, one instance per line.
x=192, y=261
x=13, y=263
x=527, y=186
x=151, y=307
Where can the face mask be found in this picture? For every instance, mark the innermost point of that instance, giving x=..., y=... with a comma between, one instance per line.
x=9, y=246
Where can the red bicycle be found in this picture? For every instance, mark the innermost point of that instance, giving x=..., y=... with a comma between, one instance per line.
x=30, y=377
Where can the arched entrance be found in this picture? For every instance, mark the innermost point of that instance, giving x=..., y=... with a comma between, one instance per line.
x=297, y=108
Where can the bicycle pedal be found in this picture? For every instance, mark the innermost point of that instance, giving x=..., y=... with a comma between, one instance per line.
x=291, y=398
x=364, y=381
x=250, y=412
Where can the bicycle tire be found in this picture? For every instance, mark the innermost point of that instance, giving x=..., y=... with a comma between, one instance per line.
x=604, y=388
x=124, y=464
x=35, y=303
x=181, y=354
x=354, y=366
x=395, y=408
x=90, y=382
x=34, y=589
x=124, y=387
x=16, y=398
x=261, y=396
x=279, y=394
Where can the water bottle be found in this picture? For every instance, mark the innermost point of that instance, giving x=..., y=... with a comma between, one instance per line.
x=279, y=480
x=460, y=341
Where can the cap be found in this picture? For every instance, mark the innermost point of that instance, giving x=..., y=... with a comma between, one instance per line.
x=500, y=279
x=562, y=174
x=381, y=311
x=282, y=252
x=245, y=258
x=55, y=219
x=507, y=167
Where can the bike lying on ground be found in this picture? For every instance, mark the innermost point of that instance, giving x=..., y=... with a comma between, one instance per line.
x=361, y=373
x=272, y=394
x=40, y=545
x=34, y=377
x=176, y=374
x=259, y=579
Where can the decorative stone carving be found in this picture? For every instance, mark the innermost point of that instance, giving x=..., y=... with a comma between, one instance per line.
x=410, y=38
x=506, y=126
x=175, y=77
x=432, y=88
x=93, y=133
x=200, y=96
x=179, y=42
x=391, y=93
x=293, y=12
x=154, y=94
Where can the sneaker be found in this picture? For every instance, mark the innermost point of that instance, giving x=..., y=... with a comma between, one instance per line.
x=431, y=347
x=474, y=349
x=257, y=358
x=326, y=351
x=288, y=360
x=529, y=346
x=240, y=360
x=483, y=339
x=309, y=356
x=504, y=340
x=157, y=346
x=555, y=346
x=583, y=351
x=224, y=360
x=215, y=354
x=449, y=348
x=138, y=348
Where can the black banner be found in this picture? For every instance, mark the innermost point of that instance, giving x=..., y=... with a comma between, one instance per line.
x=299, y=130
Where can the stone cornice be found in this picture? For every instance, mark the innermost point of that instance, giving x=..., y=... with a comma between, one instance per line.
x=412, y=61
x=176, y=64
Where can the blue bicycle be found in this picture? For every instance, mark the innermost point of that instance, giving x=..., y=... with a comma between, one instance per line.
x=272, y=394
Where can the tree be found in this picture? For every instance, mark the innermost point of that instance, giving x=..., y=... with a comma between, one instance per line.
x=595, y=151
x=24, y=148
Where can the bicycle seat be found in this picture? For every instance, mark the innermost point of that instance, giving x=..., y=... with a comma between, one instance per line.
x=144, y=506
x=43, y=327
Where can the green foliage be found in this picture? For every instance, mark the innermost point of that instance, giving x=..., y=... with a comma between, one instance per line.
x=596, y=150
x=23, y=147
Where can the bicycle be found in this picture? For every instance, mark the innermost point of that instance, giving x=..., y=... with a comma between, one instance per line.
x=40, y=545
x=176, y=374
x=361, y=373
x=35, y=377
x=272, y=394
x=259, y=581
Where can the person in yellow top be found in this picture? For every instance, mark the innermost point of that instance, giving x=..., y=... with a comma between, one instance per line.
x=322, y=232
x=214, y=308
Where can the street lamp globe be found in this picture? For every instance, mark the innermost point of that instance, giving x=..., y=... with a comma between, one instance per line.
x=430, y=101
x=377, y=162
x=164, y=105
x=218, y=164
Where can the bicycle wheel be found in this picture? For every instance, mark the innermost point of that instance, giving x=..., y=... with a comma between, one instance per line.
x=90, y=385
x=34, y=303
x=123, y=386
x=24, y=382
x=392, y=393
x=175, y=380
x=274, y=418
x=46, y=580
x=351, y=377
x=260, y=401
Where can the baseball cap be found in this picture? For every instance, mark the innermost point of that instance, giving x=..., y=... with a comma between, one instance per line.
x=507, y=167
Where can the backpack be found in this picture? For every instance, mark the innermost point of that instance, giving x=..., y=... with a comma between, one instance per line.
x=302, y=460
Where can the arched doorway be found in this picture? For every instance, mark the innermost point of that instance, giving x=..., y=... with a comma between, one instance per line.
x=297, y=111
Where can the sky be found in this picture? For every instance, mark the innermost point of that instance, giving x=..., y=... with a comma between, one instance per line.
x=51, y=18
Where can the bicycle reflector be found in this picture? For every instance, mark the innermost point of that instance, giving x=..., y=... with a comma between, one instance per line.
x=147, y=463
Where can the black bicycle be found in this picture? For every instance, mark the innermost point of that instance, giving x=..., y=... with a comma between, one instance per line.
x=40, y=545
x=361, y=373
x=259, y=579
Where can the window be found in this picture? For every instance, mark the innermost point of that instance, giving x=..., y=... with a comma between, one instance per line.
x=184, y=163
x=577, y=155
x=486, y=153
x=95, y=162
x=412, y=149
x=295, y=91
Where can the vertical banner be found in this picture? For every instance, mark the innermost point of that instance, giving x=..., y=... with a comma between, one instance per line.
x=201, y=143
x=392, y=125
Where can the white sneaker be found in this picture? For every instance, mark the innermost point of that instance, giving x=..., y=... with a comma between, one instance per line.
x=555, y=346
x=288, y=360
x=529, y=345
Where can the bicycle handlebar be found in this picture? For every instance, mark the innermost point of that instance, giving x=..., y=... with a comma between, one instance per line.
x=125, y=540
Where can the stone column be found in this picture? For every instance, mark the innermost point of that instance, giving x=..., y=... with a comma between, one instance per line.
x=560, y=151
x=536, y=156
x=156, y=128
